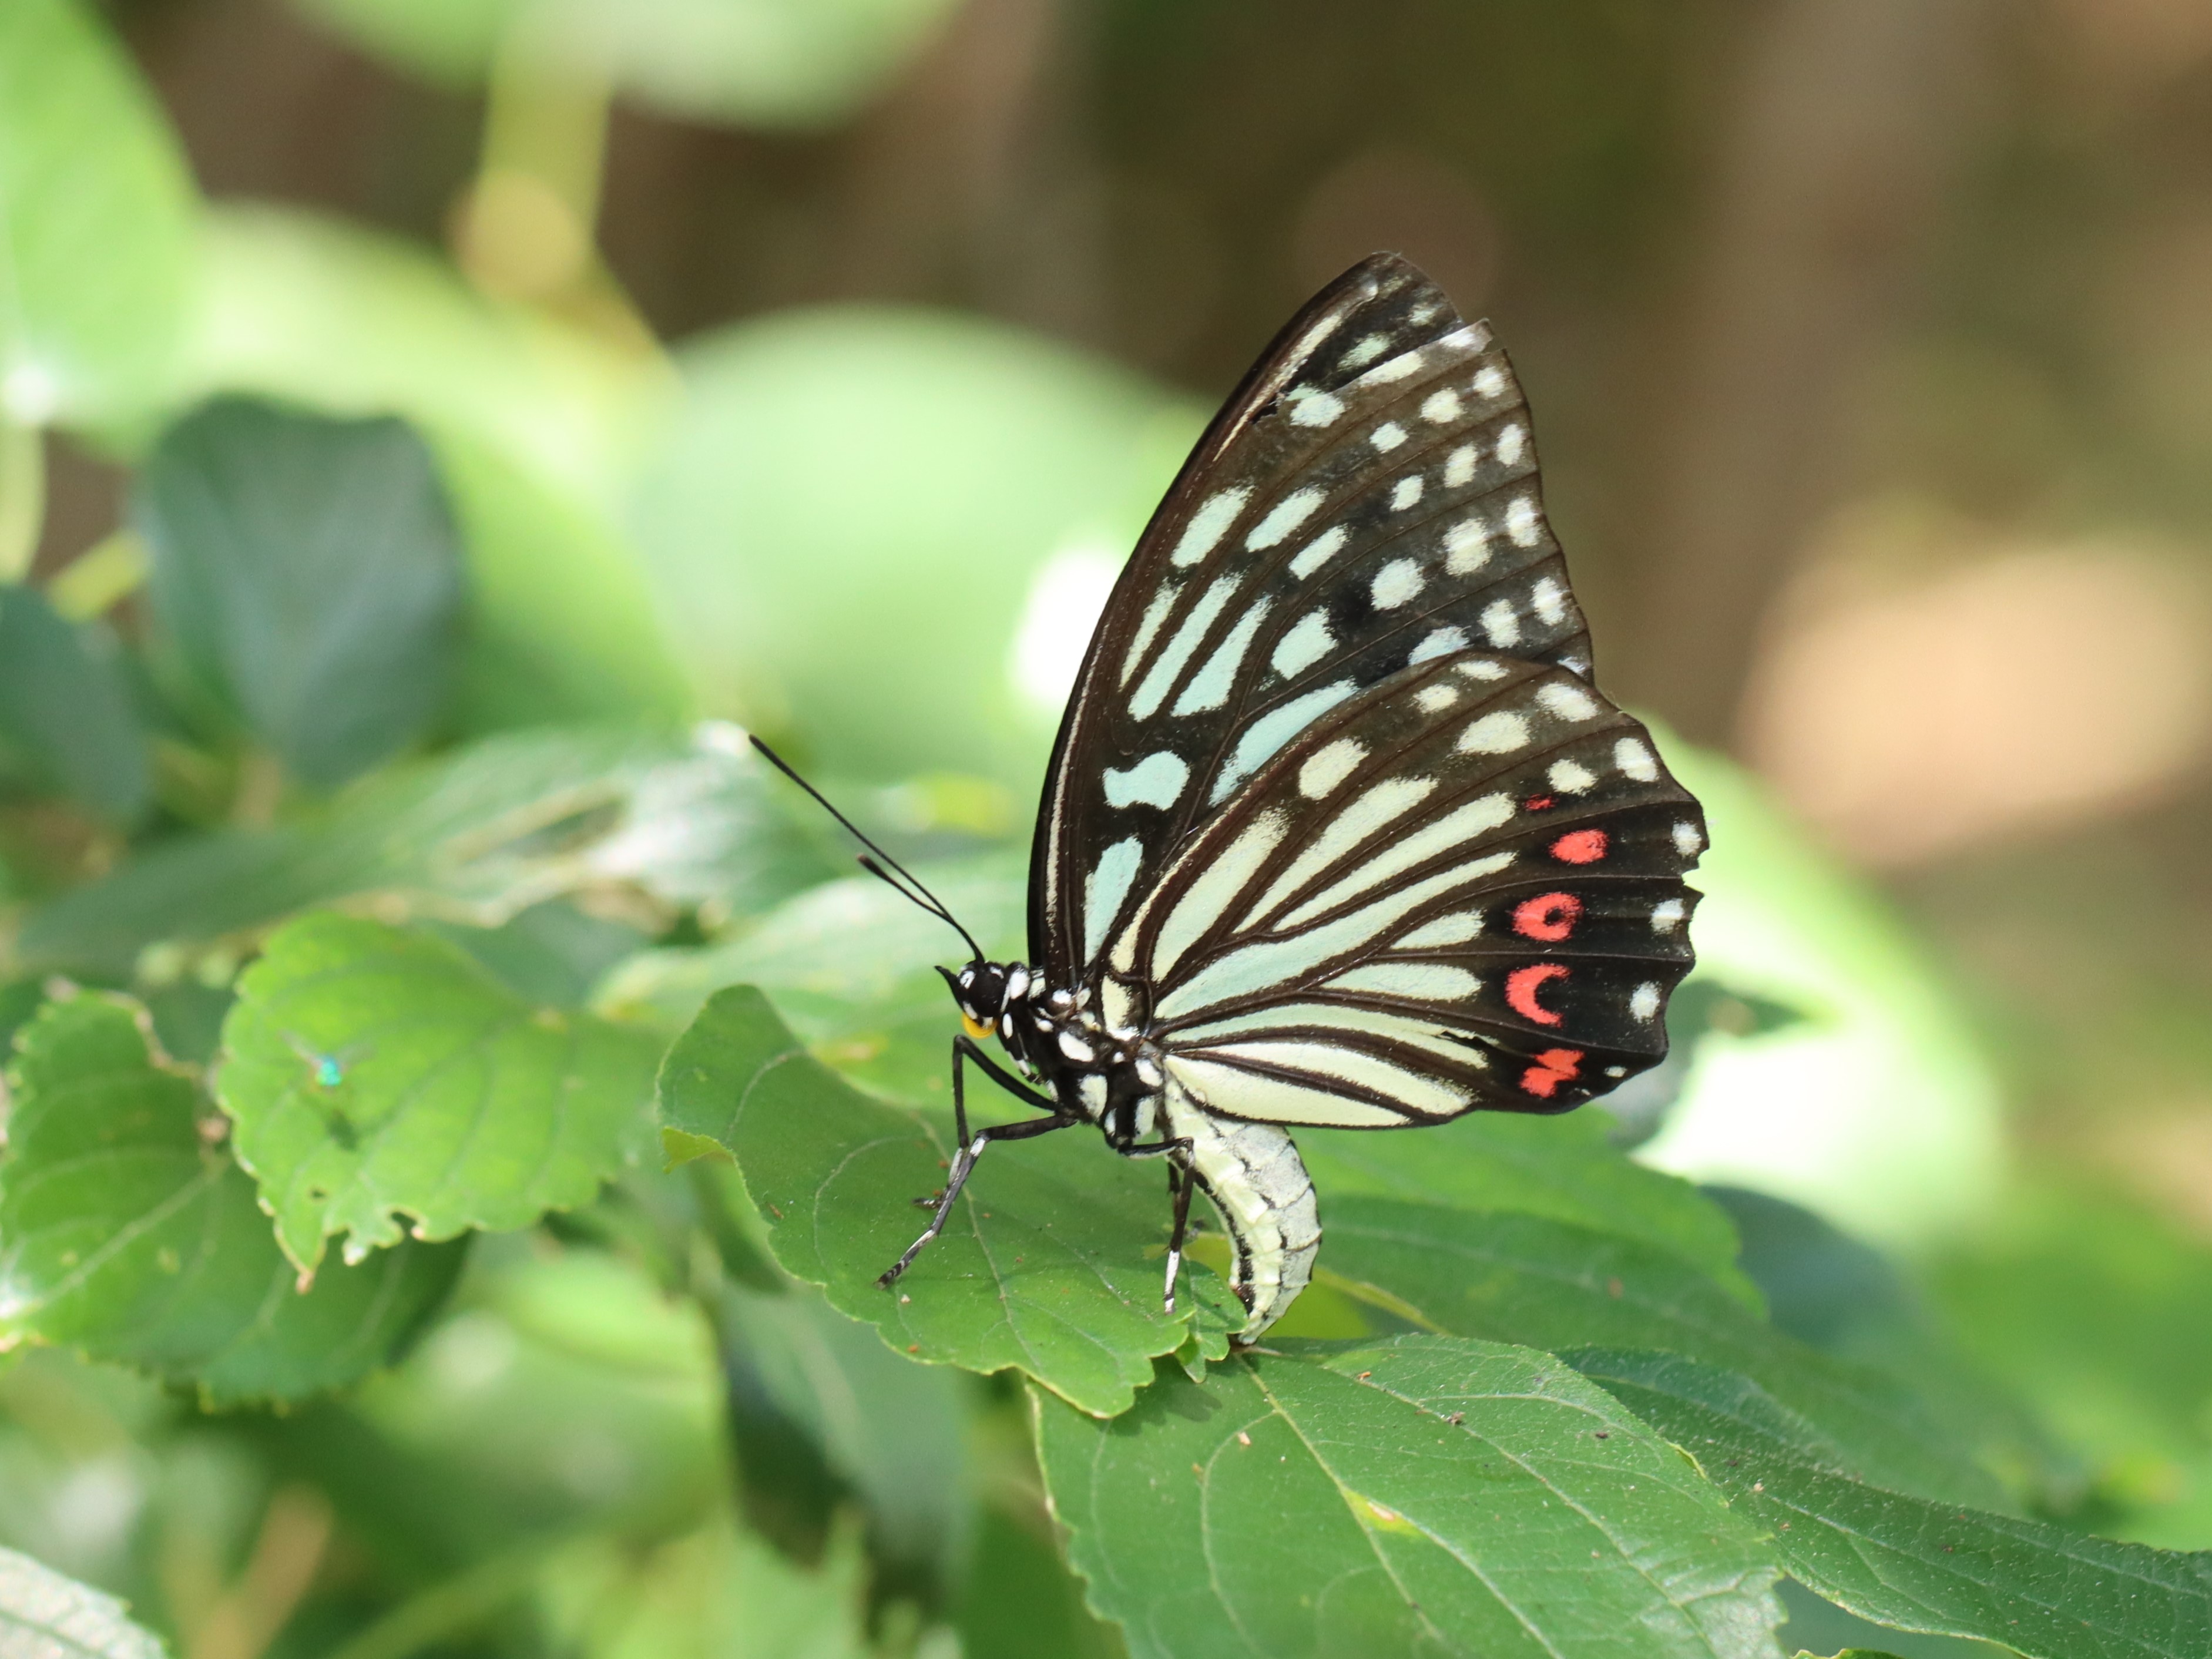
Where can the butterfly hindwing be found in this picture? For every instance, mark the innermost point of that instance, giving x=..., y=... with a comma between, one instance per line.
x=1367, y=500
x=1462, y=889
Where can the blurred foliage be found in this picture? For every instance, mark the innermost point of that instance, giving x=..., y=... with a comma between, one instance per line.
x=375, y=819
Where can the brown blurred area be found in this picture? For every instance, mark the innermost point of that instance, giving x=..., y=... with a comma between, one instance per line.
x=1870, y=342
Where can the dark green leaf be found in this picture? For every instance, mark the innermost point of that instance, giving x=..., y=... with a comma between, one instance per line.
x=1020, y=1600
x=1526, y=1278
x=1904, y=1562
x=95, y=221
x=130, y=1234
x=1429, y=1495
x=308, y=570
x=1051, y=1262
x=1560, y=1167
x=372, y=1072
x=476, y=837
x=65, y=707
x=44, y=1615
x=894, y=1433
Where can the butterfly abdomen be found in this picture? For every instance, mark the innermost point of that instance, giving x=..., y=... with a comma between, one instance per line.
x=1254, y=1177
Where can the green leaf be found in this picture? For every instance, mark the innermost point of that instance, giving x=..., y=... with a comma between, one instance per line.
x=1051, y=1262
x=372, y=1072
x=1424, y=1495
x=65, y=706
x=130, y=1234
x=1021, y=1601
x=894, y=1433
x=308, y=569
x=1906, y=1563
x=44, y=1615
x=1513, y=1277
x=475, y=837
x=96, y=207
x=1561, y=1167
x=535, y=424
x=780, y=64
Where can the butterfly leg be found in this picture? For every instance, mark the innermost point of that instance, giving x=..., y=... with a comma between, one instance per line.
x=1180, y=1185
x=972, y=1146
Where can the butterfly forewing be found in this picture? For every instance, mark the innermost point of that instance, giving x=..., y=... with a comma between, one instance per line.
x=1367, y=501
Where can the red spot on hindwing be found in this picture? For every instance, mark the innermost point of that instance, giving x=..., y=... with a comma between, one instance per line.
x=1522, y=985
x=1541, y=804
x=1550, y=916
x=1553, y=1067
x=1580, y=847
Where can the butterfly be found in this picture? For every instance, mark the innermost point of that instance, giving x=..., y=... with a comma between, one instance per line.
x=1337, y=831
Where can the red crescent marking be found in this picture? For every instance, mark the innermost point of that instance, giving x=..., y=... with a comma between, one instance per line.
x=1540, y=803
x=1551, y=917
x=1522, y=985
x=1580, y=847
x=1553, y=1067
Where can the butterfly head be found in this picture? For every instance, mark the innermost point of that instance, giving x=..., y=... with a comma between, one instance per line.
x=984, y=990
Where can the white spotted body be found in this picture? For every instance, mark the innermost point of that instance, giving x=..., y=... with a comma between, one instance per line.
x=1257, y=1180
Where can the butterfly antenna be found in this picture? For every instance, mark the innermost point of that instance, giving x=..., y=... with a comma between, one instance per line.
x=906, y=883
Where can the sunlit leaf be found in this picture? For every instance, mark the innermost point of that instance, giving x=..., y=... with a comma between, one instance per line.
x=372, y=1073
x=477, y=836
x=307, y=570
x=1424, y=1495
x=1051, y=1262
x=1906, y=1563
x=127, y=1232
x=65, y=707
x=44, y=1615
x=95, y=222
x=1518, y=1277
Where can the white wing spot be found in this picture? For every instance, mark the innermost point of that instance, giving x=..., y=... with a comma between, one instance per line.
x=1209, y=524
x=1145, y=699
x=1500, y=733
x=1570, y=777
x=1490, y=382
x=1306, y=644
x=1314, y=335
x=1433, y=699
x=1441, y=407
x=1105, y=887
x=1512, y=444
x=1407, y=493
x=1440, y=642
x=1318, y=552
x=1523, y=523
x=1387, y=436
x=1156, y=781
x=1365, y=352
x=1459, y=470
x=1467, y=545
x=1076, y=1048
x=1209, y=687
x=1456, y=929
x=1405, y=363
x=1644, y=1002
x=1499, y=625
x=1329, y=766
x=1569, y=702
x=1666, y=917
x=1272, y=731
x=1635, y=761
x=1550, y=600
x=1395, y=583
x=1481, y=668
x=1285, y=516
x=1312, y=407
x=1689, y=841
x=1155, y=614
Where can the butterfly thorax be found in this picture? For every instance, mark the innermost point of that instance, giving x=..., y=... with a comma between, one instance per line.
x=1110, y=1075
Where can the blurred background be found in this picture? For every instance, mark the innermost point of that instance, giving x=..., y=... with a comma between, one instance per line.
x=813, y=363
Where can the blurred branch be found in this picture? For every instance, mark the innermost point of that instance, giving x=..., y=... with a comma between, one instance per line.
x=296, y=1532
x=23, y=496
x=1847, y=120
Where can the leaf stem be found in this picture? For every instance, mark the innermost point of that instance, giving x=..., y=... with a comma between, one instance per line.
x=454, y=1606
x=23, y=495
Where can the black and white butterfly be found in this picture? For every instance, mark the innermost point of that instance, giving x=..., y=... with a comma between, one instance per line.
x=1337, y=831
